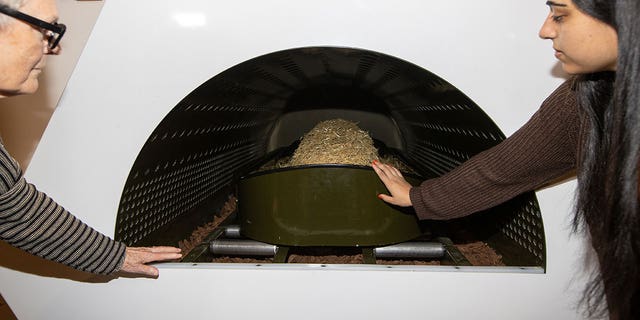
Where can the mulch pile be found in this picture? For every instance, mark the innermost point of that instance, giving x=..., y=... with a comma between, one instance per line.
x=480, y=254
x=201, y=232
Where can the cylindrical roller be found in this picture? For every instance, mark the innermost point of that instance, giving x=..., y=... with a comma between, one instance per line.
x=411, y=250
x=242, y=248
x=232, y=231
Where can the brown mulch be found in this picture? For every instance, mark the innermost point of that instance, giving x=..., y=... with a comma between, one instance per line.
x=326, y=255
x=226, y=259
x=480, y=254
x=201, y=232
x=409, y=262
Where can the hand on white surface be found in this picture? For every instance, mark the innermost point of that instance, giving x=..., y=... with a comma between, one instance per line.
x=136, y=259
x=396, y=184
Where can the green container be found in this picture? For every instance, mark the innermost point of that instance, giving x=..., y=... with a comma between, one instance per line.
x=327, y=205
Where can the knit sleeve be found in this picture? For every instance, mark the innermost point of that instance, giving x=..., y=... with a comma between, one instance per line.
x=32, y=221
x=542, y=150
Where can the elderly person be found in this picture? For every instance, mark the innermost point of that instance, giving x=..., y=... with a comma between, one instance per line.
x=29, y=219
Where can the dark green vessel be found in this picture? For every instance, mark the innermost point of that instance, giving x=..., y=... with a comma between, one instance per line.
x=321, y=205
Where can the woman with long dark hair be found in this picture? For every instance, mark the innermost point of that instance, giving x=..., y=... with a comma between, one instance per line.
x=589, y=124
x=608, y=177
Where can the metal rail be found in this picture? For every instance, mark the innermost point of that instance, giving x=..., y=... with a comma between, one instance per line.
x=241, y=247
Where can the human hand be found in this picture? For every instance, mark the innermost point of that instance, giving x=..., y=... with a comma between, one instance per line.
x=396, y=184
x=136, y=259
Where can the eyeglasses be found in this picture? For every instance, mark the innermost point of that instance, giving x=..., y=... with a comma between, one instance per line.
x=54, y=33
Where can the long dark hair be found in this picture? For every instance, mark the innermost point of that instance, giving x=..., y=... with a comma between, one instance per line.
x=607, y=201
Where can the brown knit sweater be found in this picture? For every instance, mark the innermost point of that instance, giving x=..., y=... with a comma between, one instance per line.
x=545, y=148
x=32, y=221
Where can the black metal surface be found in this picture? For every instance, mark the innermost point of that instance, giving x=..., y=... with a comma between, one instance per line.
x=222, y=129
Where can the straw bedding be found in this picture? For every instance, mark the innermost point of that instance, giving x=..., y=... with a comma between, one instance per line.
x=335, y=141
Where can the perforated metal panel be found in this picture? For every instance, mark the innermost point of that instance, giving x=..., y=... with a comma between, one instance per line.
x=525, y=228
x=193, y=154
x=222, y=129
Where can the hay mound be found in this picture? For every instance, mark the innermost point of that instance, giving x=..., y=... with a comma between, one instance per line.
x=335, y=141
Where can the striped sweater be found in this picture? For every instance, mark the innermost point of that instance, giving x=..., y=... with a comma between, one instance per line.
x=544, y=149
x=32, y=221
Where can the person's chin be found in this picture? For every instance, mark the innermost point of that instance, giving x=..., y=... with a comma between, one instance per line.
x=571, y=69
x=35, y=73
x=29, y=87
x=574, y=69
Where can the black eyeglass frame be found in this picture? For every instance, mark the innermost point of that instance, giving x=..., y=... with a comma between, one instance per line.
x=58, y=29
